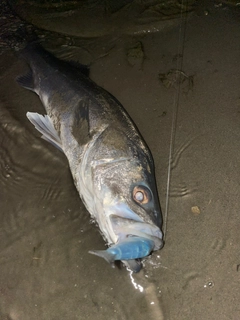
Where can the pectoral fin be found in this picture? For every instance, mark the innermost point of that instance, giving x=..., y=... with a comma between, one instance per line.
x=45, y=126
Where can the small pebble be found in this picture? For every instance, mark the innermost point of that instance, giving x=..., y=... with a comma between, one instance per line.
x=195, y=210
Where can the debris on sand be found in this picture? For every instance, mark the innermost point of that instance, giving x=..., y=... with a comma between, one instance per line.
x=195, y=210
x=136, y=55
x=175, y=78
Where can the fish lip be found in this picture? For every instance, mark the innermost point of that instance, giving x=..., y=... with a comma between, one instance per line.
x=157, y=241
x=161, y=244
x=124, y=228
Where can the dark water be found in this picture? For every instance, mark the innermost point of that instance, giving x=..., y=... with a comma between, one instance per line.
x=45, y=230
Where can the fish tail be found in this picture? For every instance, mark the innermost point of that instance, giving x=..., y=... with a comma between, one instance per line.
x=108, y=256
x=134, y=265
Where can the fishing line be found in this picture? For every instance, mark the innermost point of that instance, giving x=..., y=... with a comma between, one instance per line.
x=180, y=54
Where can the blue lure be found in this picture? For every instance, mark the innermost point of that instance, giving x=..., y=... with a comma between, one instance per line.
x=128, y=249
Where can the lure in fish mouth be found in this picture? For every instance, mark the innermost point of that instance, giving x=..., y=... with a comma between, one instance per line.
x=111, y=164
x=135, y=245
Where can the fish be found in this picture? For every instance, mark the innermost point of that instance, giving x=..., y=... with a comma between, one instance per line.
x=111, y=165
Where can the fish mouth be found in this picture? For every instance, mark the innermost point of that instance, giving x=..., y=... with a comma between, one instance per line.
x=124, y=228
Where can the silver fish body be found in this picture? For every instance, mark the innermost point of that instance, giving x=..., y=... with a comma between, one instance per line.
x=110, y=163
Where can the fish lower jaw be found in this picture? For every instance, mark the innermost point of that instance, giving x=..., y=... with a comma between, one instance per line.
x=157, y=241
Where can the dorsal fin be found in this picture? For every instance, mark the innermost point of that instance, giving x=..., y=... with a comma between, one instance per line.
x=26, y=81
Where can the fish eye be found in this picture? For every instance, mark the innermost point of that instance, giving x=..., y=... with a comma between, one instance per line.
x=141, y=195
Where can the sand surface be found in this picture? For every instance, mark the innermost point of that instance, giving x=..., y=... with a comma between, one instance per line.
x=192, y=110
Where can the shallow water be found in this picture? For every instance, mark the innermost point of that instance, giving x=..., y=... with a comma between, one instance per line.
x=45, y=231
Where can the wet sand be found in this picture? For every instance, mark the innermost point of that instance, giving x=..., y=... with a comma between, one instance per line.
x=45, y=231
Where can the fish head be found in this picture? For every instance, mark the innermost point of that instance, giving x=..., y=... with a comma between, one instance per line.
x=130, y=199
